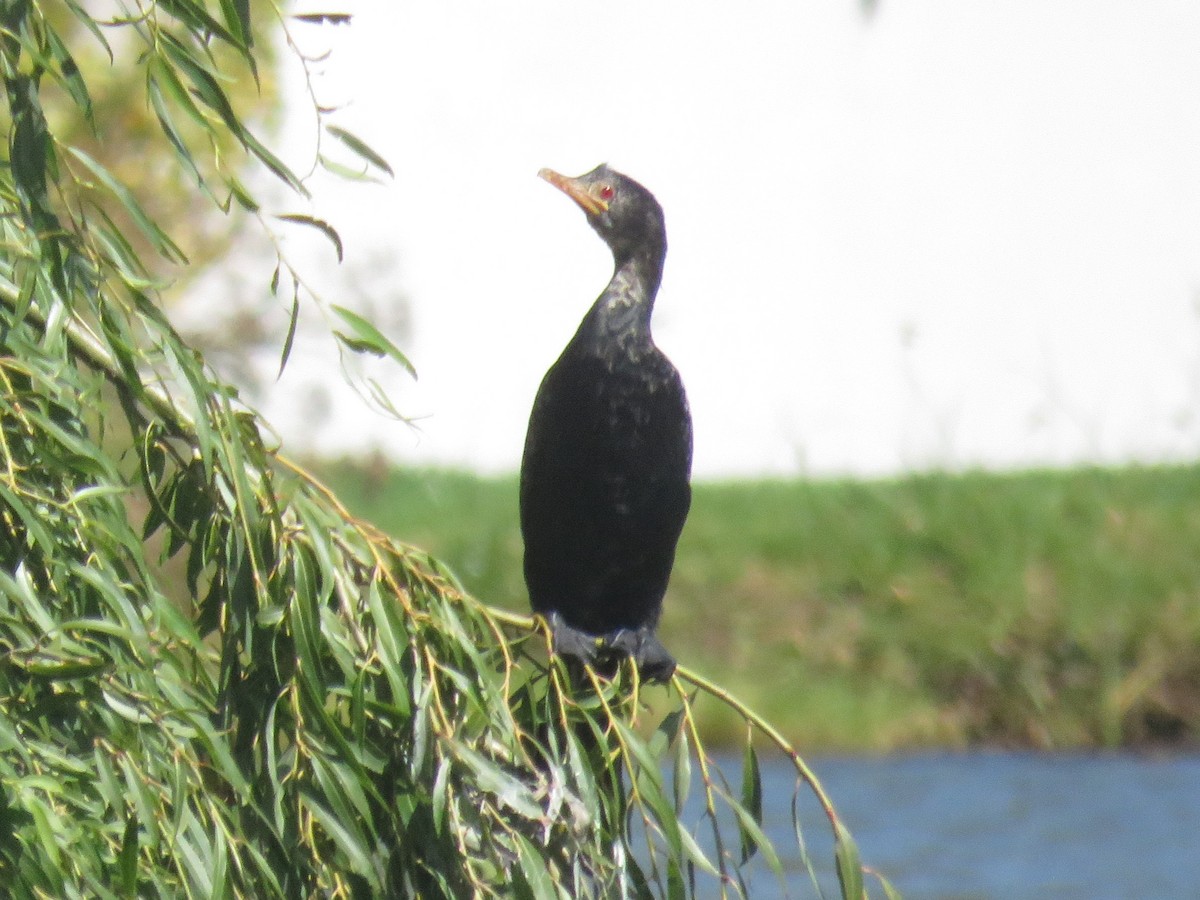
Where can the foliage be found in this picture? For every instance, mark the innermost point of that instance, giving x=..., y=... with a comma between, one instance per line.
x=216, y=682
x=102, y=109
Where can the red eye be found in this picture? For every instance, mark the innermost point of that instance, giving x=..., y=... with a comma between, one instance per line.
x=606, y=192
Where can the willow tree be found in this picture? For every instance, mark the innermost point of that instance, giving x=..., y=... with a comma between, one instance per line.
x=214, y=681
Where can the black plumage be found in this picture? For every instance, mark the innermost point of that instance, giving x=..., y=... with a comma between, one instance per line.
x=604, y=478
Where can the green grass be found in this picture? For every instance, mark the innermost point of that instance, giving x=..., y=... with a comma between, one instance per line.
x=1042, y=608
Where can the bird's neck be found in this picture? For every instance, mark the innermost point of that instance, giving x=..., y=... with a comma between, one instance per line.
x=623, y=310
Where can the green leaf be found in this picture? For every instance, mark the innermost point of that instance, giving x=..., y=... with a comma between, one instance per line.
x=238, y=191
x=31, y=146
x=197, y=18
x=295, y=317
x=274, y=164
x=533, y=879
x=347, y=795
x=696, y=855
x=172, y=133
x=192, y=847
x=324, y=18
x=849, y=866
x=127, y=859
x=682, y=775
x=676, y=888
x=160, y=73
x=70, y=77
x=753, y=839
x=367, y=338
x=47, y=831
x=90, y=24
x=237, y=18
x=648, y=780
x=63, y=670
x=320, y=225
x=888, y=890
x=346, y=173
x=751, y=798
x=491, y=777
x=439, y=796
x=360, y=148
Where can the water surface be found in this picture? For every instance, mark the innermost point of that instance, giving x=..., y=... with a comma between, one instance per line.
x=993, y=826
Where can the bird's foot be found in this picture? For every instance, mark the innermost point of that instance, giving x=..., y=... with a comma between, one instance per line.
x=653, y=661
x=605, y=652
x=573, y=643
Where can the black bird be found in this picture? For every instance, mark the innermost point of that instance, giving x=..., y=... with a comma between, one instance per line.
x=604, y=478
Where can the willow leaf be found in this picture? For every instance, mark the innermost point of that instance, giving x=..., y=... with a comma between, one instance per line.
x=172, y=133
x=533, y=879
x=293, y=319
x=320, y=225
x=274, y=163
x=367, y=338
x=751, y=801
x=237, y=18
x=196, y=17
x=849, y=866
x=360, y=148
x=69, y=76
x=324, y=18
x=90, y=24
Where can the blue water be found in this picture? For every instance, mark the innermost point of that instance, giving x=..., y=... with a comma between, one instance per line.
x=994, y=826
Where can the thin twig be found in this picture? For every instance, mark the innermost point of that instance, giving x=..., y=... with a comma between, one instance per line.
x=767, y=729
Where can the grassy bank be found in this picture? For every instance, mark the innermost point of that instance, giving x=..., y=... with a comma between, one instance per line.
x=1045, y=608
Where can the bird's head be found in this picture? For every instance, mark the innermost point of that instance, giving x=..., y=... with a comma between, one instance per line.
x=624, y=213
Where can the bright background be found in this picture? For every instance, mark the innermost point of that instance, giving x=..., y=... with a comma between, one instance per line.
x=945, y=234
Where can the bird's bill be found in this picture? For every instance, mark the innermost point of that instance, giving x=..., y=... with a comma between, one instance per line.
x=577, y=190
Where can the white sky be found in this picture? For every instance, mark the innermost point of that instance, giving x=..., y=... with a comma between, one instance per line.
x=956, y=233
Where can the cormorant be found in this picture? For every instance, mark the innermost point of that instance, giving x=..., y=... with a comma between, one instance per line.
x=604, y=478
